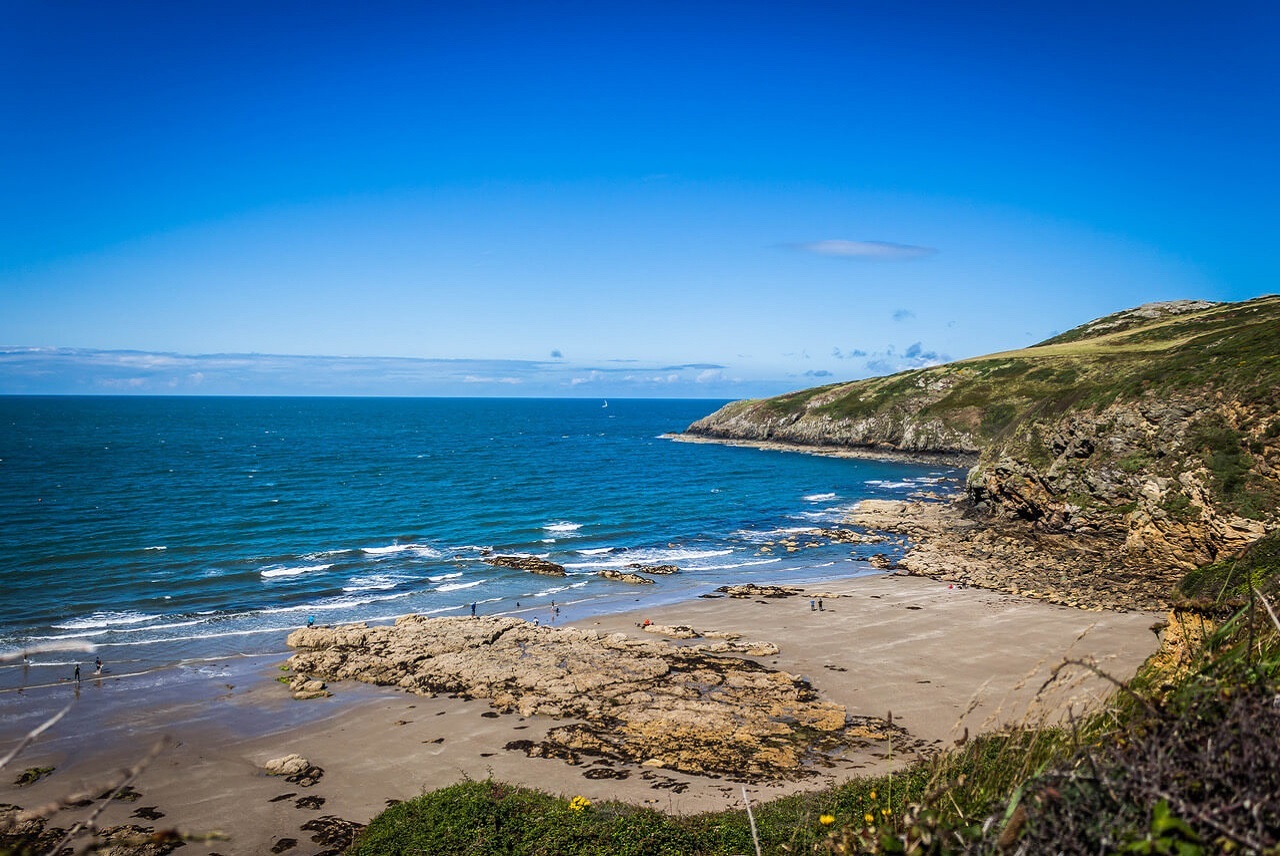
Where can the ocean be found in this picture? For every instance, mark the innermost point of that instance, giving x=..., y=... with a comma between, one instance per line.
x=158, y=532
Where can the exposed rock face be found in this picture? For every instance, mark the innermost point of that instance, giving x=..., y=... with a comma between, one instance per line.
x=532, y=564
x=688, y=708
x=949, y=542
x=1136, y=473
x=623, y=577
x=902, y=430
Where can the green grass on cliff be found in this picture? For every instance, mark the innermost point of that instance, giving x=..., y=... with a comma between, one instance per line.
x=1233, y=579
x=1233, y=349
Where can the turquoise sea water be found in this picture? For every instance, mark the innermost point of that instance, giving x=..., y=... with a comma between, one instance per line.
x=172, y=530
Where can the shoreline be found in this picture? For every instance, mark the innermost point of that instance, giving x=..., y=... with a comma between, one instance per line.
x=884, y=642
x=955, y=460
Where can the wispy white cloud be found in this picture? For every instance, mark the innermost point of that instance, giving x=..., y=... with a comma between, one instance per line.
x=592, y=376
x=514, y=381
x=876, y=251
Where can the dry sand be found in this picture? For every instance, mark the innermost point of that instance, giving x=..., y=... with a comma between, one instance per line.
x=941, y=659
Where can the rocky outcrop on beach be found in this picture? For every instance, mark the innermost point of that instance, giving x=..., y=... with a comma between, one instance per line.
x=952, y=544
x=694, y=708
x=1106, y=462
x=304, y=688
x=757, y=590
x=532, y=564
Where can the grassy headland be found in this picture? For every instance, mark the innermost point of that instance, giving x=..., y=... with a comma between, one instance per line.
x=1153, y=433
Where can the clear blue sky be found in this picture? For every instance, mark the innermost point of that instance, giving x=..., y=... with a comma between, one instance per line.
x=695, y=199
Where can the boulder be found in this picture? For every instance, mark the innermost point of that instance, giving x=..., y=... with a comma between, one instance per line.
x=654, y=570
x=289, y=765
x=532, y=564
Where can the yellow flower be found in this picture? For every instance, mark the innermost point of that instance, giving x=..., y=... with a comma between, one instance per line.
x=579, y=803
x=873, y=795
x=885, y=812
x=827, y=819
x=869, y=818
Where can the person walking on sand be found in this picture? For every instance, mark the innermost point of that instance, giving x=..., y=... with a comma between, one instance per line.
x=811, y=606
x=820, y=609
x=473, y=609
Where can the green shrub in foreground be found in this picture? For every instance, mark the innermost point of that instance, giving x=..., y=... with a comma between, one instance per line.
x=489, y=817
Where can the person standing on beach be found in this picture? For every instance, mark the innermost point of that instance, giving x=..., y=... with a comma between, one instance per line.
x=820, y=609
x=97, y=666
x=473, y=609
x=77, y=673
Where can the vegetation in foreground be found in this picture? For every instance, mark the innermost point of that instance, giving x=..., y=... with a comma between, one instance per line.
x=1184, y=762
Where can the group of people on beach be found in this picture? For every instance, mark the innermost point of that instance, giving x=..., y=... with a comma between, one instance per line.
x=97, y=669
x=555, y=610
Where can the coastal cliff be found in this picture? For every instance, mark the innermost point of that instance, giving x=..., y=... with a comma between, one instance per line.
x=1146, y=442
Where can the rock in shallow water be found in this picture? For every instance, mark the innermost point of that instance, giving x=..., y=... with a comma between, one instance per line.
x=531, y=564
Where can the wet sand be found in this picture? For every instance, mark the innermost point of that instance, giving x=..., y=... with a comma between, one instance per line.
x=940, y=659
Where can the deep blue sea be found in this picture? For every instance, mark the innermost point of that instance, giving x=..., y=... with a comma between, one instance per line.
x=171, y=530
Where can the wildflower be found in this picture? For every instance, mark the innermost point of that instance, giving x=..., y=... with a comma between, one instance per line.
x=873, y=795
x=827, y=819
x=885, y=812
x=578, y=803
x=869, y=818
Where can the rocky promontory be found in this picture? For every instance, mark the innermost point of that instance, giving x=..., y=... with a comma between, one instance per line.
x=1105, y=462
x=697, y=708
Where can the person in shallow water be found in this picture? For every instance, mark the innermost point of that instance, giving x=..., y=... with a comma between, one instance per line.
x=311, y=620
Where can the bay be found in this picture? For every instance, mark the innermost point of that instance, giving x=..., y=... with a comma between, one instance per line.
x=164, y=530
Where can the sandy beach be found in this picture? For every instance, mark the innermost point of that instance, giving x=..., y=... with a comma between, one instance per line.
x=941, y=659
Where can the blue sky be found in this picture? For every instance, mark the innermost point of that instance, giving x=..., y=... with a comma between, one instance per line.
x=659, y=199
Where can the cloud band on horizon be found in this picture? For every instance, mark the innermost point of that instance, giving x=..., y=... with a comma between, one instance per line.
x=877, y=251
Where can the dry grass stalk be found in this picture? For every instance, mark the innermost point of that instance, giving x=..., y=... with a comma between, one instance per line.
x=1262, y=597
x=129, y=776
x=32, y=735
x=751, y=818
